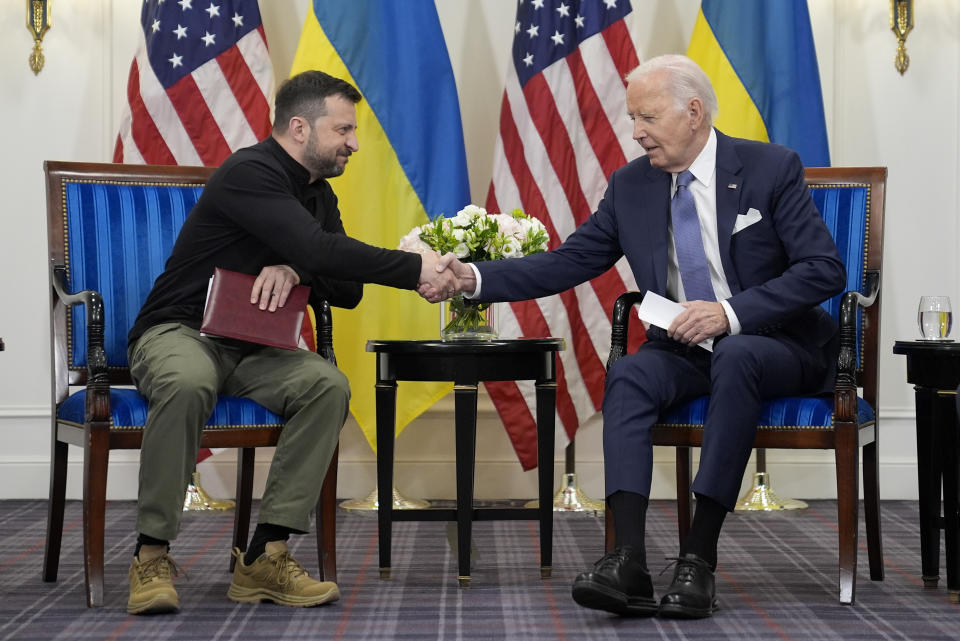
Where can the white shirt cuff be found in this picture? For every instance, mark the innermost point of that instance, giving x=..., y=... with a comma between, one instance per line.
x=731, y=318
x=476, y=273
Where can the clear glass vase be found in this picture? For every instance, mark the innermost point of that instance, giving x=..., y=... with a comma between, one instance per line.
x=464, y=319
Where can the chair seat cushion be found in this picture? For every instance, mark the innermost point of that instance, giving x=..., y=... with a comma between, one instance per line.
x=789, y=412
x=128, y=411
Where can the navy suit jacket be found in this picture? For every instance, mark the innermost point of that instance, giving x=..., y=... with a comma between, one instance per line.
x=779, y=269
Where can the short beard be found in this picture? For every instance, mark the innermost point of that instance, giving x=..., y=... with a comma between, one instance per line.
x=323, y=167
x=330, y=170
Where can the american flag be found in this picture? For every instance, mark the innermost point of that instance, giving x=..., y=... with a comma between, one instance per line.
x=200, y=84
x=563, y=131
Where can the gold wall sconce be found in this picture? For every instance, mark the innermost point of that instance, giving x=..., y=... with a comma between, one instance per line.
x=38, y=23
x=901, y=23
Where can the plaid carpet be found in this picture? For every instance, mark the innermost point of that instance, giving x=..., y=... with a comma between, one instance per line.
x=777, y=580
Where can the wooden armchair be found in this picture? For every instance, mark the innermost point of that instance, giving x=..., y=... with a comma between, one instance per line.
x=851, y=201
x=110, y=230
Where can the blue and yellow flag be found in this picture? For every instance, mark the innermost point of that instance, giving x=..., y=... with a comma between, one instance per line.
x=411, y=167
x=760, y=57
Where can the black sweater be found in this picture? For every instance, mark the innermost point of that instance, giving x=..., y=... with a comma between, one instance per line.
x=260, y=209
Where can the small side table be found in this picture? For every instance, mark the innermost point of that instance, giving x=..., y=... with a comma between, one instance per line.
x=466, y=363
x=934, y=370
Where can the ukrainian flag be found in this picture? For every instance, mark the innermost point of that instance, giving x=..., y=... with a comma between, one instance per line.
x=760, y=57
x=411, y=167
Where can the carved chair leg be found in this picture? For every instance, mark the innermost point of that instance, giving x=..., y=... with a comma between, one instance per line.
x=327, y=522
x=847, y=460
x=55, y=509
x=241, y=517
x=871, y=510
x=96, y=458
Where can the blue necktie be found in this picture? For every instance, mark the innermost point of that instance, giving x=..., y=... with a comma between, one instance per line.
x=689, y=242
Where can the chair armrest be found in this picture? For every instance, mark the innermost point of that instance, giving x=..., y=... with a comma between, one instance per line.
x=845, y=389
x=325, y=331
x=98, y=379
x=851, y=302
x=619, y=324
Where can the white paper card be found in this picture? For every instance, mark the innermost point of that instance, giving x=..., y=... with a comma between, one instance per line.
x=207, y=301
x=660, y=311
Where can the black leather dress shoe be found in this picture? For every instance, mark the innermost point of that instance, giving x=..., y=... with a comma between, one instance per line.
x=618, y=583
x=693, y=593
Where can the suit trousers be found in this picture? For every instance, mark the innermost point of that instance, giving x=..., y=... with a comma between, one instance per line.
x=742, y=372
x=181, y=373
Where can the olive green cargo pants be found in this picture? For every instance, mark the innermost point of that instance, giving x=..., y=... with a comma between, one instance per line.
x=181, y=372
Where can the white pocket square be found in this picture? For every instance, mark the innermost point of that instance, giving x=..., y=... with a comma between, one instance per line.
x=745, y=220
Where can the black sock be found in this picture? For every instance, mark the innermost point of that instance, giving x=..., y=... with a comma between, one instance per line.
x=265, y=533
x=629, y=521
x=705, y=530
x=145, y=539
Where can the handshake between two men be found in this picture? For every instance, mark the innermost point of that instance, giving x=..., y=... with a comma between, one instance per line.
x=444, y=276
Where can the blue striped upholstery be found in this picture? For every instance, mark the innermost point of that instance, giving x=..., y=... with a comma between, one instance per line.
x=789, y=412
x=118, y=237
x=846, y=211
x=129, y=411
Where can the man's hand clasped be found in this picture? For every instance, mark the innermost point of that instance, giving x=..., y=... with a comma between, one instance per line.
x=701, y=320
x=442, y=277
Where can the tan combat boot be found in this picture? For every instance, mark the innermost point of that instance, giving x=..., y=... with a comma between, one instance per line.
x=151, y=582
x=276, y=576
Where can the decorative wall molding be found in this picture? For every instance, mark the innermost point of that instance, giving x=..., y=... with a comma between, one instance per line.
x=23, y=411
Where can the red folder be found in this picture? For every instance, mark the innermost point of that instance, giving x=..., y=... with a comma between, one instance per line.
x=230, y=314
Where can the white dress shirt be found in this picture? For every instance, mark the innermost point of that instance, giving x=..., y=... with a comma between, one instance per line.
x=704, y=192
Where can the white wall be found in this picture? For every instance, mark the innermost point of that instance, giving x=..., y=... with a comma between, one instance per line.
x=874, y=117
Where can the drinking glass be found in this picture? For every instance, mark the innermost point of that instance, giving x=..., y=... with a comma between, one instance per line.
x=934, y=317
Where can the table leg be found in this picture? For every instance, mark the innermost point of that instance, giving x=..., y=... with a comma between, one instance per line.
x=929, y=464
x=546, y=424
x=465, y=399
x=386, y=392
x=946, y=422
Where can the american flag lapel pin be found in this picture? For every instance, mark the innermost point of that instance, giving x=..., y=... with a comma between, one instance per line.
x=732, y=186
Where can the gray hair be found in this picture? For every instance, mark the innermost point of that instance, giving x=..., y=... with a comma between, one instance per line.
x=685, y=80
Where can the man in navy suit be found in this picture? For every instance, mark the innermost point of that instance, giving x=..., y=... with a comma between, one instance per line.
x=751, y=276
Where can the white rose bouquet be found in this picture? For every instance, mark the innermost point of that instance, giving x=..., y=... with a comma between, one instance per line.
x=473, y=235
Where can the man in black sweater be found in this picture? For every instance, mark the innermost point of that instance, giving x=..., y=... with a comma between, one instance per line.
x=267, y=211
